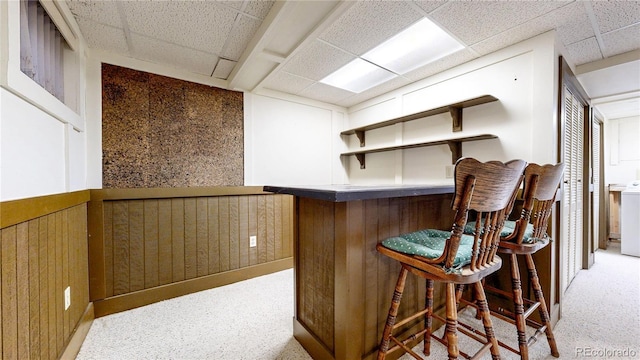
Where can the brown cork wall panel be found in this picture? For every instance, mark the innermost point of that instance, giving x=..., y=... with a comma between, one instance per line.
x=163, y=132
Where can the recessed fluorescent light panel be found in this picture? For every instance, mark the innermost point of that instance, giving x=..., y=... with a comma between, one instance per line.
x=416, y=46
x=358, y=76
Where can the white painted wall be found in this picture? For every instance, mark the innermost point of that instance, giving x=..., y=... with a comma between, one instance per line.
x=42, y=140
x=292, y=142
x=622, y=150
x=524, y=118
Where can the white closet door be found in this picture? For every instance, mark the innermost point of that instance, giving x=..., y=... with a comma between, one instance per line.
x=573, y=188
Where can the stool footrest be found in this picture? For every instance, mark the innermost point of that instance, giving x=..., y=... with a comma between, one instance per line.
x=472, y=333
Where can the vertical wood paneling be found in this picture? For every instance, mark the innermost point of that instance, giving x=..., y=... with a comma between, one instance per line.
x=253, y=228
x=243, y=212
x=269, y=227
x=136, y=245
x=58, y=290
x=234, y=233
x=165, y=267
x=370, y=342
x=22, y=293
x=202, y=237
x=51, y=281
x=177, y=238
x=81, y=263
x=108, y=247
x=277, y=226
x=34, y=290
x=120, y=247
x=262, y=229
x=214, y=236
x=287, y=225
x=190, y=236
x=162, y=241
x=325, y=253
x=151, y=239
x=39, y=258
x=44, y=309
x=67, y=232
x=9, y=294
x=223, y=213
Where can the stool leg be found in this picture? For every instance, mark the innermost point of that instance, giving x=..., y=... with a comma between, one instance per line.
x=483, y=308
x=542, y=309
x=428, y=319
x=518, y=304
x=451, y=328
x=393, y=312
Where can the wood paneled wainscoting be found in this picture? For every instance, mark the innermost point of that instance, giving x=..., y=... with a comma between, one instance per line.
x=43, y=252
x=148, y=245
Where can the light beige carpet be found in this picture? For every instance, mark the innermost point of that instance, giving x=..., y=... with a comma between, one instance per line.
x=253, y=320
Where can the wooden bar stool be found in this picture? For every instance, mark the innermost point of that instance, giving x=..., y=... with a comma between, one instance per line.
x=454, y=258
x=525, y=236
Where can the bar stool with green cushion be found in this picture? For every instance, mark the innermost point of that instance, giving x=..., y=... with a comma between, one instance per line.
x=454, y=258
x=525, y=236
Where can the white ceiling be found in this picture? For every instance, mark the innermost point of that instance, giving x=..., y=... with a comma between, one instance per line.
x=288, y=46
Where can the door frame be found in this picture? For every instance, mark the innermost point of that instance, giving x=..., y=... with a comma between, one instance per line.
x=568, y=78
x=600, y=242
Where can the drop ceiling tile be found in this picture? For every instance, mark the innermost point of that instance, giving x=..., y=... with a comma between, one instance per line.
x=103, y=37
x=429, y=5
x=183, y=58
x=187, y=23
x=243, y=31
x=621, y=41
x=612, y=15
x=473, y=21
x=325, y=93
x=571, y=22
x=259, y=8
x=368, y=23
x=317, y=60
x=104, y=12
x=288, y=83
x=236, y=4
x=443, y=64
x=223, y=68
x=584, y=51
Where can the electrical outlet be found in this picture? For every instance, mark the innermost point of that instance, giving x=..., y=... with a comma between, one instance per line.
x=448, y=171
x=67, y=297
x=253, y=241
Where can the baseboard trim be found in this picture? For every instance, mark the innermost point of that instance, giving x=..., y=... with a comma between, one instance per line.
x=79, y=334
x=310, y=343
x=136, y=299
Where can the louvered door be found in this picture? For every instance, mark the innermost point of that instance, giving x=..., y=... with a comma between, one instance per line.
x=573, y=188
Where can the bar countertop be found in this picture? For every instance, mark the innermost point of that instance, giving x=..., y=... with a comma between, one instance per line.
x=341, y=193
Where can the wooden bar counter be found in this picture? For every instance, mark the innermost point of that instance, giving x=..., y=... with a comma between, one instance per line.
x=343, y=287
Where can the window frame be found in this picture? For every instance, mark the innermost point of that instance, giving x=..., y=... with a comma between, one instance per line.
x=14, y=80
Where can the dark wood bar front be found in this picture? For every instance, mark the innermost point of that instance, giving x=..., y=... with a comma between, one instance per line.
x=343, y=286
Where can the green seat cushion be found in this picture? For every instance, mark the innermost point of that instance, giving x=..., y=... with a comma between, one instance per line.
x=509, y=227
x=429, y=243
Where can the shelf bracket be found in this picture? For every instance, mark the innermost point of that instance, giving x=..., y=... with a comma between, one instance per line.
x=360, y=158
x=456, y=150
x=360, y=135
x=456, y=117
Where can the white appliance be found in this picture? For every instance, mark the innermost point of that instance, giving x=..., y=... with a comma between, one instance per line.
x=630, y=220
